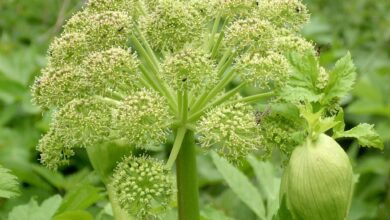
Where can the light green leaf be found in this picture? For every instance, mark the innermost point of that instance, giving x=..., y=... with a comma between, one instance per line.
x=80, y=197
x=240, y=185
x=302, y=86
x=210, y=213
x=8, y=184
x=341, y=79
x=365, y=135
x=74, y=215
x=32, y=211
x=268, y=182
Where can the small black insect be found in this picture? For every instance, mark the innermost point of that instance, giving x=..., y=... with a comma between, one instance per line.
x=260, y=115
x=37, y=82
x=184, y=79
x=298, y=9
x=121, y=29
x=322, y=48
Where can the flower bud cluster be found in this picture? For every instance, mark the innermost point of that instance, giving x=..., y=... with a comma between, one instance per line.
x=141, y=184
x=291, y=14
x=143, y=118
x=279, y=132
x=171, y=25
x=230, y=130
x=189, y=69
x=104, y=68
x=132, y=7
x=253, y=33
x=102, y=30
x=266, y=71
x=232, y=8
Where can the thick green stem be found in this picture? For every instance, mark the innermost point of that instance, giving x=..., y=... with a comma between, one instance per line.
x=187, y=182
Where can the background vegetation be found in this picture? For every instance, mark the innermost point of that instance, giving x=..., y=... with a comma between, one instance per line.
x=27, y=27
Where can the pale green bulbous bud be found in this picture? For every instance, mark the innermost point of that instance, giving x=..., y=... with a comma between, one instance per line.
x=231, y=131
x=318, y=181
x=171, y=25
x=189, y=69
x=142, y=185
x=143, y=119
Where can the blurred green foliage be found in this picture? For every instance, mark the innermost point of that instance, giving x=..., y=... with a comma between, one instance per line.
x=27, y=27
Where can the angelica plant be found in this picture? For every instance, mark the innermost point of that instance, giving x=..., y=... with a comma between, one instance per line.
x=126, y=74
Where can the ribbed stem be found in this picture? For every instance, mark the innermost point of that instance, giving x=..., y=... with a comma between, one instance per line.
x=187, y=180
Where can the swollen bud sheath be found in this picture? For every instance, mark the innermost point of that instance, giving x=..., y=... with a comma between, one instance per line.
x=318, y=181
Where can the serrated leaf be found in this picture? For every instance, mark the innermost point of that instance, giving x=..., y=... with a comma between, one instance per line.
x=8, y=184
x=341, y=79
x=240, y=185
x=365, y=135
x=302, y=86
x=32, y=211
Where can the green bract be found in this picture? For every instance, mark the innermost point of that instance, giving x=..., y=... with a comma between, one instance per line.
x=142, y=185
x=318, y=181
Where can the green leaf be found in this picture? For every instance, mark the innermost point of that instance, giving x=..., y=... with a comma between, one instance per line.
x=80, y=197
x=268, y=182
x=283, y=212
x=74, y=215
x=302, y=86
x=240, y=185
x=341, y=79
x=210, y=213
x=54, y=178
x=317, y=124
x=365, y=135
x=32, y=211
x=8, y=184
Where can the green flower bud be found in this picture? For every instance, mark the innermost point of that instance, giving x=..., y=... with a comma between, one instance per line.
x=68, y=49
x=250, y=33
x=111, y=70
x=57, y=86
x=189, y=69
x=270, y=70
x=171, y=25
x=132, y=7
x=143, y=118
x=231, y=131
x=232, y=8
x=318, y=181
x=103, y=30
x=142, y=185
x=85, y=122
x=291, y=43
x=54, y=151
x=291, y=14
